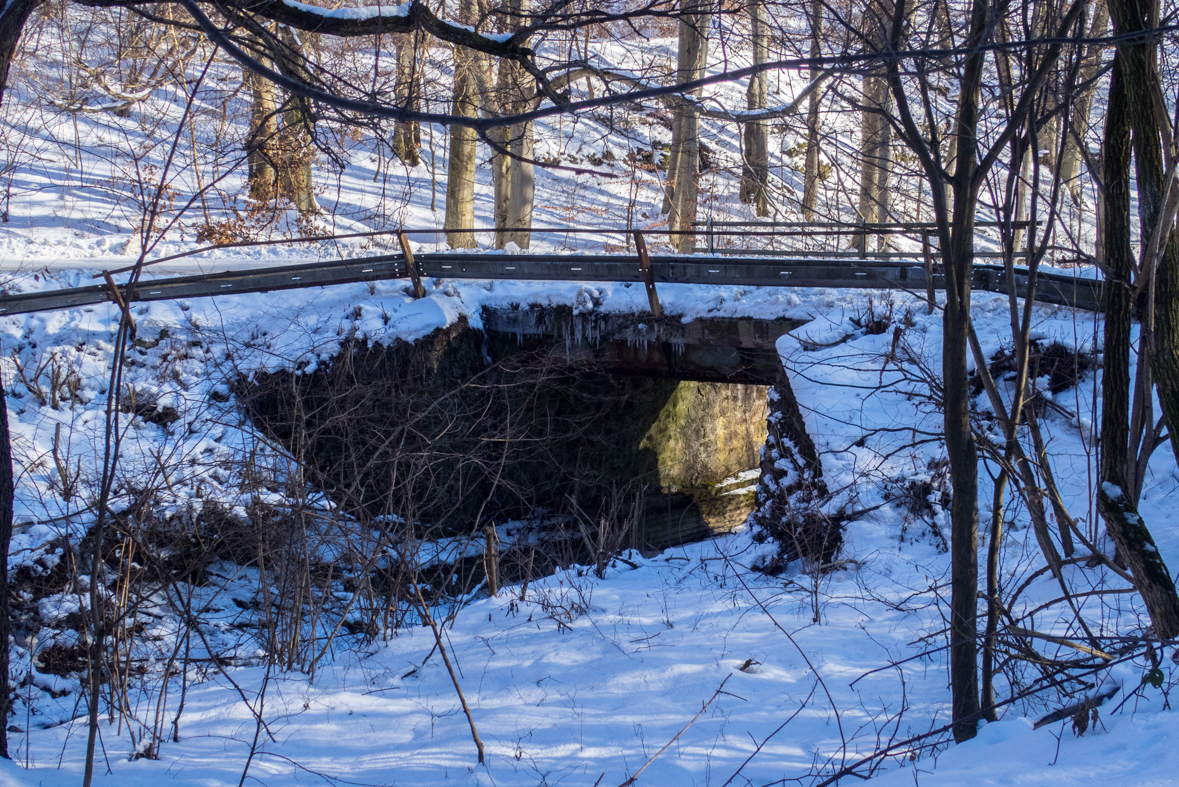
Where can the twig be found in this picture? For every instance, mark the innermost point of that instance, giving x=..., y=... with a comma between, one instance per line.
x=801, y=652
x=1068, y=643
x=1073, y=710
x=446, y=660
x=699, y=713
x=757, y=749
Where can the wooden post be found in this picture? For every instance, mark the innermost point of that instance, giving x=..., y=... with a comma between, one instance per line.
x=418, y=290
x=929, y=294
x=491, y=559
x=648, y=276
x=117, y=297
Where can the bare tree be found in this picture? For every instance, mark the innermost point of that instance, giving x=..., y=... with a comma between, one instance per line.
x=460, y=173
x=810, y=176
x=1134, y=126
x=755, y=170
x=954, y=197
x=875, y=130
x=683, y=171
x=407, y=135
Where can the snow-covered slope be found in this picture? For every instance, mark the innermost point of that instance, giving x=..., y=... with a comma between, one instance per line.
x=581, y=680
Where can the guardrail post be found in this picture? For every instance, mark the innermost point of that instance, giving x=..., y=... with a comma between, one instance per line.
x=930, y=298
x=418, y=290
x=117, y=297
x=648, y=276
x=711, y=240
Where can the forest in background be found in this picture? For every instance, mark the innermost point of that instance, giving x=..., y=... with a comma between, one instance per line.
x=1037, y=134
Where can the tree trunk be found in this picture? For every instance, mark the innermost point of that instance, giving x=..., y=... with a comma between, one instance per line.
x=523, y=187
x=12, y=24
x=407, y=136
x=755, y=172
x=1132, y=96
x=810, y=176
x=875, y=131
x=460, y=167
x=514, y=180
x=501, y=180
x=1139, y=62
x=958, y=261
x=1021, y=200
x=1070, y=162
x=673, y=163
x=1045, y=18
x=263, y=136
x=687, y=185
x=692, y=58
x=6, y=499
x=297, y=152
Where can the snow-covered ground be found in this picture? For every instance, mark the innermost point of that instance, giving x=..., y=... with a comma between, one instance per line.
x=577, y=680
x=580, y=676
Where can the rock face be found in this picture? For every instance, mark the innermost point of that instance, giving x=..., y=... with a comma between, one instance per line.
x=707, y=432
x=791, y=487
x=463, y=428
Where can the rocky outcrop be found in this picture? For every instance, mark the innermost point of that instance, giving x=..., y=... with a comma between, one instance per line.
x=791, y=487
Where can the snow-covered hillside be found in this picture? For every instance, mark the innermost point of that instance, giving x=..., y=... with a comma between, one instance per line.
x=576, y=676
x=690, y=667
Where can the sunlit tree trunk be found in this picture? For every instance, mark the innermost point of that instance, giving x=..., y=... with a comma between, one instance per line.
x=460, y=171
x=875, y=131
x=1070, y=162
x=522, y=193
x=297, y=154
x=263, y=136
x=755, y=172
x=407, y=135
x=810, y=177
x=513, y=178
x=684, y=174
x=673, y=162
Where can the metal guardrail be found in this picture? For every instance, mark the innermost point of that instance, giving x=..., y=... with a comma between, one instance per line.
x=908, y=275
x=834, y=230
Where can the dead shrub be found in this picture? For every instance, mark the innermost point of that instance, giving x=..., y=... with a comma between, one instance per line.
x=923, y=497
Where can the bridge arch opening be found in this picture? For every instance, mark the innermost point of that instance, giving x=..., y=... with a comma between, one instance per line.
x=538, y=415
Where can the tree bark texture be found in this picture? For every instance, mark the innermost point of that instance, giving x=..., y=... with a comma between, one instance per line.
x=1045, y=18
x=296, y=152
x=1115, y=499
x=810, y=175
x=1070, y=162
x=1139, y=61
x=683, y=173
x=6, y=500
x=958, y=260
x=522, y=194
x=673, y=163
x=755, y=170
x=460, y=167
x=875, y=130
x=262, y=140
x=407, y=136
x=12, y=24
x=514, y=180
